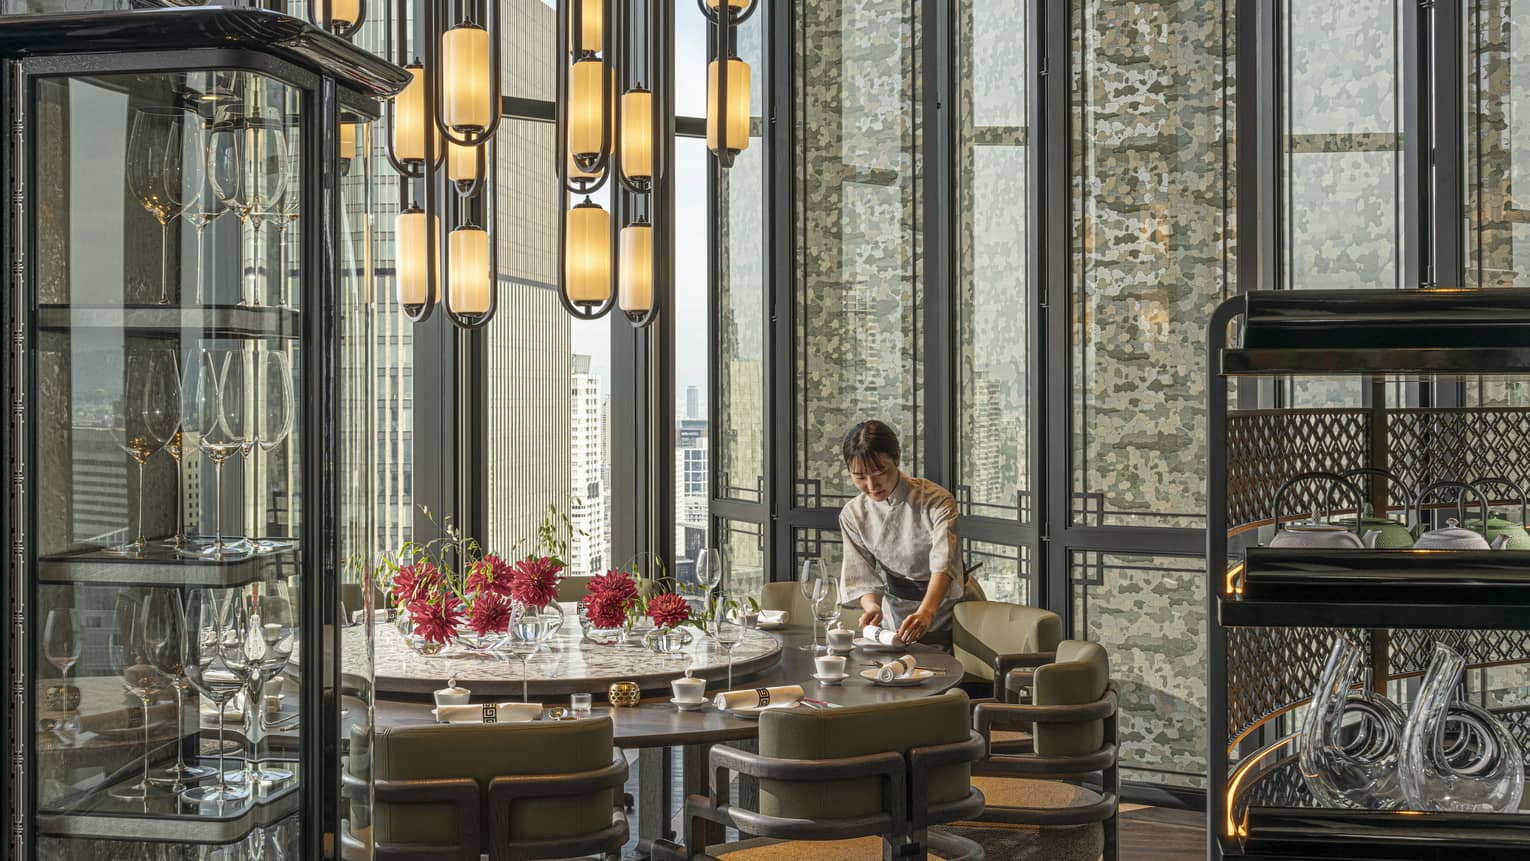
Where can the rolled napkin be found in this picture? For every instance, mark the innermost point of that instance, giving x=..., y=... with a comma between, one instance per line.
x=879, y=634
x=489, y=713
x=774, y=617
x=781, y=697
x=898, y=669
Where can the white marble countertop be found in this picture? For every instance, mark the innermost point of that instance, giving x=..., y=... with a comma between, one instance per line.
x=568, y=664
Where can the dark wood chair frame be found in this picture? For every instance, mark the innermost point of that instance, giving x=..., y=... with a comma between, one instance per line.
x=902, y=823
x=1019, y=759
x=471, y=801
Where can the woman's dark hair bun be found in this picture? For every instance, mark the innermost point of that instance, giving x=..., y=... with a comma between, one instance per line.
x=871, y=438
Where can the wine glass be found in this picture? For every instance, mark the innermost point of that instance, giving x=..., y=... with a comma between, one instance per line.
x=127, y=648
x=146, y=417
x=709, y=572
x=825, y=606
x=529, y=628
x=265, y=177
x=219, y=413
x=62, y=633
x=204, y=206
x=273, y=422
x=257, y=654
x=728, y=632
x=211, y=677
x=288, y=212
x=155, y=146
x=166, y=644
x=812, y=577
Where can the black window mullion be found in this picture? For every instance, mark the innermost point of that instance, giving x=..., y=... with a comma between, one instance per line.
x=1446, y=112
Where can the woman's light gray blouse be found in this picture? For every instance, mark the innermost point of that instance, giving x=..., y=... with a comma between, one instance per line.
x=912, y=534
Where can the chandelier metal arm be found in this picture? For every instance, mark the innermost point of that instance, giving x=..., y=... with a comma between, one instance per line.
x=739, y=18
x=490, y=220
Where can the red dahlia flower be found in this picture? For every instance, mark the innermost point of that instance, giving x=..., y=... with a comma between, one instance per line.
x=414, y=582
x=490, y=615
x=615, y=584
x=534, y=582
x=490, y=574
x=605, y=611
x=668, y=610
x=436, y=621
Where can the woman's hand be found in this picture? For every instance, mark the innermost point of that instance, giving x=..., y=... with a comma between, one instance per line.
x=870, y=617
x=916, y=625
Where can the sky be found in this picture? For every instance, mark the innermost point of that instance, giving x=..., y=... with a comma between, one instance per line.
x=593, y=338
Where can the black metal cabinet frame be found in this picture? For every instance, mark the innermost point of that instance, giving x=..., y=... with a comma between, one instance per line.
x=336, y=79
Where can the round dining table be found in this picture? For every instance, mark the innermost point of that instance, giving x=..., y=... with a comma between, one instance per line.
x=655, y=727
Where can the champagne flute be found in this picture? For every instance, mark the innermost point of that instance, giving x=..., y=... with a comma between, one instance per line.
x=265, y=176
x=155, y=144
x=728, y=633
x=166, y=642
x=274, y=420
x=211, y=678
x=219, y=394
x=812, y=576
x=126, y=647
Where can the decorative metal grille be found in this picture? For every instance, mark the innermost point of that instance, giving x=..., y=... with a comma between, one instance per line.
x=1268, y=669
x=1411, y=649
x=1429, y=445
x=1266, y=447
x=1280, y=786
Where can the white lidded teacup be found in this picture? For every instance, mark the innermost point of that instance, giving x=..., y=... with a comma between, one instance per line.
x=452, y=694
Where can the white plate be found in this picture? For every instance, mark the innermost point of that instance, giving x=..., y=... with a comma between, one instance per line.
x=754, y=712
x=689, y=705
x=771, y=626
x=918, y=677
x=874, y=646
x=831, y=680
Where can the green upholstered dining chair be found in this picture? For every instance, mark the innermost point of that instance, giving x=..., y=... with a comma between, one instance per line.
x=544, y=789
x=991, y=638
x=1071, y=716
x=885, y=771
x=787, y=595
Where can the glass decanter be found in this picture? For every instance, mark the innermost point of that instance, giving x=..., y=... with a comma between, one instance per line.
x=1457, y=757
x=1349, y=743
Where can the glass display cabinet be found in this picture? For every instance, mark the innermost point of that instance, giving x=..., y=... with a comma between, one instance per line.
x=186, y=443
x=1369, y=574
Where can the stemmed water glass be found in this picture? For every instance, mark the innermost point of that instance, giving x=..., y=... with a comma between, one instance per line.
x=529, y=628
x=287, y=213
x=728, y=632
x=149, y=415
x=273, y=422
x=155, y=148
x=257, y=651
x=812, y=581
x=211, y=677
x=166, y=644
x=128, y=650
x=219, y=415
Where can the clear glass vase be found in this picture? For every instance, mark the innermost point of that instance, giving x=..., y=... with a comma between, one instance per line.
x=1349, y=744
x=667, y=640
x=1457, y=757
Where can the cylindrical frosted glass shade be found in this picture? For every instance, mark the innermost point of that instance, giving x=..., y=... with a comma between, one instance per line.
x=347, y=140
x=587, y=257
x=409, y=120
x=343, y=11
x=637, y=135
x=736, y=4
x=737, y=105
x=467, y=87
x=467, y=290
x=593, y=29
x=586, y=110
x=635, y=293
x=410, y=237
x=461, y=162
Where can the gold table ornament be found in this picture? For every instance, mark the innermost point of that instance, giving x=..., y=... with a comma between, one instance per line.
x=624, y=694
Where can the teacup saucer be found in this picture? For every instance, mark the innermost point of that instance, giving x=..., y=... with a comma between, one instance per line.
x=689, y=705
x=833, y=679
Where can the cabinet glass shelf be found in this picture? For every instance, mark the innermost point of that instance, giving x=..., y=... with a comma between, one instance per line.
x=170, y=321
x=160, y=566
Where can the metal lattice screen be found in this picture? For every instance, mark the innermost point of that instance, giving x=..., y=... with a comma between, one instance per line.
x=1266, y=447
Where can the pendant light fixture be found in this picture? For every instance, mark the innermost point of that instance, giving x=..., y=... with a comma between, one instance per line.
x=615, y=118
x=727, y=79
x=441, y=142
x=340, y=17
